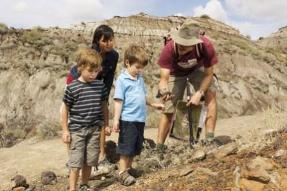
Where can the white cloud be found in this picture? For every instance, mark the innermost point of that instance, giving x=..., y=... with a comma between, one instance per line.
x=83, y=9
x=260, y=10
x=213, y=8
x=178, y=14
x=20, y=6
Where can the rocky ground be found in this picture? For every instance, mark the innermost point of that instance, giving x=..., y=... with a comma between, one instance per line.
x=250, y=155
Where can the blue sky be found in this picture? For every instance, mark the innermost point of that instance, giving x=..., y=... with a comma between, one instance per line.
x=252, y=17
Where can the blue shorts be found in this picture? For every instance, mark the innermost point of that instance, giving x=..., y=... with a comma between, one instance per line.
x=131, y=138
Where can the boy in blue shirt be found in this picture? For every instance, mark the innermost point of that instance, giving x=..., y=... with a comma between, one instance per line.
x=130, y=110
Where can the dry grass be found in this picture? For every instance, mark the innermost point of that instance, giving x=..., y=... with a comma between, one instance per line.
x=274, y=122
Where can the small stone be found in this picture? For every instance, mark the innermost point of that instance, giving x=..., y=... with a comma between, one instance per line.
x=20, y=181
x=48, y=178
x=226, y=150
x=198, y=155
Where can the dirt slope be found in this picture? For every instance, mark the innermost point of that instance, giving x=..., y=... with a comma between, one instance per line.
x=31, y=157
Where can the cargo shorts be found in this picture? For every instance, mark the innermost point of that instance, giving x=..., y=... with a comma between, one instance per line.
x=84, y=147
x=177, y=86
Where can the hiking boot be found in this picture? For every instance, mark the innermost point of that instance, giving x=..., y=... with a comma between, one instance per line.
x=161, y=148
x=84, y=187
x=126, y=179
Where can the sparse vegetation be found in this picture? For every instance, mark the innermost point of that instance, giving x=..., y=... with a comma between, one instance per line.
x=205, y=16
x=3, y=28
x=35, y=37
x=47, y=130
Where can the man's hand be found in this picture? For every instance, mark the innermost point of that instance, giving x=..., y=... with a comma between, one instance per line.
x=164, y=94
x=195, y=99
x=116, y=126
x=66, y=137
x=108, y=131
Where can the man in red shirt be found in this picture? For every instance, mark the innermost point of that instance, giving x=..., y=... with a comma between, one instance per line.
x=189, y=55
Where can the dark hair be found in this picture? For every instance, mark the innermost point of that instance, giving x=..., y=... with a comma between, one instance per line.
x=102, y=31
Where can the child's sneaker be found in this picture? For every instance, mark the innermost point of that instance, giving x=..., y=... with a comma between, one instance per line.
x=135, y=172
x=126, y=179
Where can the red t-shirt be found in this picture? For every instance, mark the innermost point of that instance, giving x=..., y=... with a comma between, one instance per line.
x=189, y=62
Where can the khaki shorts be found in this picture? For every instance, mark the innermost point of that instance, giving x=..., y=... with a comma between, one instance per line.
x=177, y=85
x=84, y=147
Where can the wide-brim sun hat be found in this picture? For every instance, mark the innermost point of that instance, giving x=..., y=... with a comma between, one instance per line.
x=186, y=35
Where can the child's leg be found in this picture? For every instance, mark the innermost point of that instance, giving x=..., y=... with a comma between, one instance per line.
x=102, y=145
x=130, y=162
x=124, y=163
x=73, y=178
x=86, y=173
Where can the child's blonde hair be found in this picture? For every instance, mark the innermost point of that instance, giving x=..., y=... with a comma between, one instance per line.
x=87, y=57
x=135, y=53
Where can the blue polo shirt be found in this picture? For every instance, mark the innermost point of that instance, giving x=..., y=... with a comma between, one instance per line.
x=133, y=94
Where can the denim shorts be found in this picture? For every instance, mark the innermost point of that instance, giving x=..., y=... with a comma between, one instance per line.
x=131, y=138
x=84, y=147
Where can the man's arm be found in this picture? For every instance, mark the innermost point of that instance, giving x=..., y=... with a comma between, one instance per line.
x=163, y=84
x=64, y=122
x=205, y=83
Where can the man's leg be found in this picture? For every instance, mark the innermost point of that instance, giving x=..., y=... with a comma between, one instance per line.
x=164, y=127
x=73, y=178
x=211, y=116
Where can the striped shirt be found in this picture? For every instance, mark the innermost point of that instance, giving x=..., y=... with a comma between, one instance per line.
x=85, y=103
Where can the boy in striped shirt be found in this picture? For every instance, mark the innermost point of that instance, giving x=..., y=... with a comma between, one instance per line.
x=85, y=101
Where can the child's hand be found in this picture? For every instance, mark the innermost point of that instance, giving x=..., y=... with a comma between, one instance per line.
x=116, y=126
x=66, y=137
x=108, y=131
x=159, y=106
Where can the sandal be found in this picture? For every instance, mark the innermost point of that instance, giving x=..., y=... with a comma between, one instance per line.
x=126, y=179
x=135, y=172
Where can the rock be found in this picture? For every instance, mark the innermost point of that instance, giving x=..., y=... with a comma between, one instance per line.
x=222, y=140
x=198, y=155
x=20, y=181
x=259, y=175
x=250, y=185
x=48, y=178
x=149, y=144
x=184, y=172
x=111, y=154
x=102, y=171
x=280, y=153
x=226, y=150
x=260, y=162
x=19, y=189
